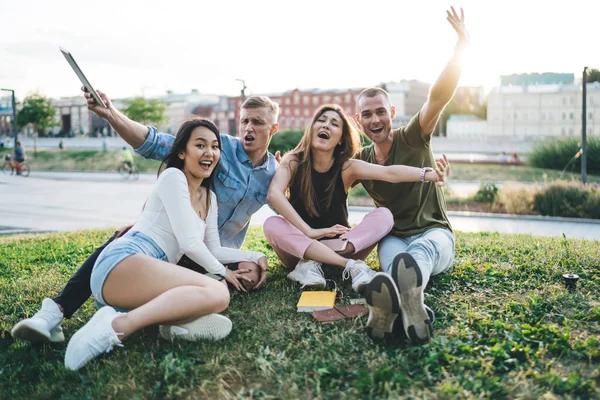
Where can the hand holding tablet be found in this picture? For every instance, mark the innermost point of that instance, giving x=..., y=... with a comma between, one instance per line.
x=81, y=76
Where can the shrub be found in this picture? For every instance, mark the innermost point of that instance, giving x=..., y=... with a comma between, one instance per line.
x=486, y=194
x=568, y=199
x=556, y=154
x=516, y=198
x=285, y=141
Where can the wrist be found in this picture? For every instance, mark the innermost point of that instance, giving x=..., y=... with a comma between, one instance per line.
x=424, y=172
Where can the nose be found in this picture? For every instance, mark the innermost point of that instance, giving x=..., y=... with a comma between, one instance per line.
x=375, y=118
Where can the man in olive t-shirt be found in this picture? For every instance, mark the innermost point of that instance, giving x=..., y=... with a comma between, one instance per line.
x=421, y=243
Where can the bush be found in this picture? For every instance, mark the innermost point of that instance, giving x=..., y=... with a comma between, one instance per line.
x=486, y=194
x=285, y=141
x=556, y=154
x=568, y=199
x=516, y=198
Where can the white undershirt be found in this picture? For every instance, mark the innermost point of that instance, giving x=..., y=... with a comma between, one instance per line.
x=171, y=221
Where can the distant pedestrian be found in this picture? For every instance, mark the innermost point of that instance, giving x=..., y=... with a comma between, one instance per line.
x=61, y=144
x=104, y=143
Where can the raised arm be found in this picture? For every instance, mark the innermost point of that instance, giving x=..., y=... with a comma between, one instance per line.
x=443, y=89
x=276, y=197
x=360, y=170
x=132, y=132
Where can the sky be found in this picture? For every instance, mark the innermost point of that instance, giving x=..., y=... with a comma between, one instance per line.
x=146, y=47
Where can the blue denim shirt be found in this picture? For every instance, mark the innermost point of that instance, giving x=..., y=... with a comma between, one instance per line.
x=240, y=187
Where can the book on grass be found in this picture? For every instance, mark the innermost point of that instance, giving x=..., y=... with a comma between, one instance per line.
x=315, y=301
x=339, y=312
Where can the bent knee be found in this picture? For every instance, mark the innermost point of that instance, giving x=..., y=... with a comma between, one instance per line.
x=221, y=297
x=272, y=226
x=253, y=274
x=385, y=217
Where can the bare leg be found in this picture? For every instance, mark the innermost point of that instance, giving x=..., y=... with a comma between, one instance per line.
x=160, y=293
x=319, y=252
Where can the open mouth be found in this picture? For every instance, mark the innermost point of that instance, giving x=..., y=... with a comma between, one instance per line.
x=377, y=130
x=323, y=135
x=248, y=139
x=206, y=164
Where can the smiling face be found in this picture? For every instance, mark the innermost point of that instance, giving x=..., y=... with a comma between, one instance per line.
x=201, y=153
x=375, y=115
x=327, y=131
x=257, y=126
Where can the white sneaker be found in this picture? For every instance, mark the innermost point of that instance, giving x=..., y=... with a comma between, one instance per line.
x=211, y=327
x=360, y=272
x=96, y=337
x=308, y=273
x=44, y=326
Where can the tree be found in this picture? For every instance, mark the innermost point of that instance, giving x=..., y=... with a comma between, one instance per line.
x=146, y=111
x=593, y=75
x=38, y=111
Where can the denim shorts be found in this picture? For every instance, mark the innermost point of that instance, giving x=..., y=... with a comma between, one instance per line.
x=125, y=246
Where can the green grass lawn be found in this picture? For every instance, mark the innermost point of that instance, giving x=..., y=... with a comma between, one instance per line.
x=505, y=327
x=519, y=173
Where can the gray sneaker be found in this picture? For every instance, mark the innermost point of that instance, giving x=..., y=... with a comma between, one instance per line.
x=308, y=273
x=208, y=327
x=360, y=272
x=43, y=326
x=407, y=275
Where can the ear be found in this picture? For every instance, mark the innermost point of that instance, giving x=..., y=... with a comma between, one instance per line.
x=393, y=112
x=181, y=156
x=275, y=129
x=357, y=117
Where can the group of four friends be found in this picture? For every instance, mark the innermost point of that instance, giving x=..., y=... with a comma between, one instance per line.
x=209, y=186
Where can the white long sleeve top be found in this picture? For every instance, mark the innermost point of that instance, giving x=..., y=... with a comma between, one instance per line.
x=171, y=221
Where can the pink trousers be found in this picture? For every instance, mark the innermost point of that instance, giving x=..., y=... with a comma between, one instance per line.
x=290, y=243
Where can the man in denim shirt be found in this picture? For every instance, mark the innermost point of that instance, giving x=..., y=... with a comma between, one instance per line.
x=243, y=172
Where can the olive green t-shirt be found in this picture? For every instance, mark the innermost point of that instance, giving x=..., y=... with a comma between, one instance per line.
x=416, y=206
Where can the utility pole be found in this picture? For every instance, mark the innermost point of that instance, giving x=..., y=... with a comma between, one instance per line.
x=583, y=128
x=14, y=108
x=243, y=89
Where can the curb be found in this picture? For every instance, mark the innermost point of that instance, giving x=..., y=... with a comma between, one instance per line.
x=472, y=214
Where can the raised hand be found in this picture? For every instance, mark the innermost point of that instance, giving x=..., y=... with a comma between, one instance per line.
x=442, y=170
x=458, y=23
x=328, y=232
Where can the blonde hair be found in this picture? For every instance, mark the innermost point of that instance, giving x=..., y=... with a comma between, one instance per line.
x=350, y=143
x=260, y=102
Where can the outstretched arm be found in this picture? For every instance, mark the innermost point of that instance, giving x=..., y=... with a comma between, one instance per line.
x=360, y=170
x=132, y=132
x=443, y=89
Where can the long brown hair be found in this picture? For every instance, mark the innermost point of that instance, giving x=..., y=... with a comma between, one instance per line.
x=349, y=146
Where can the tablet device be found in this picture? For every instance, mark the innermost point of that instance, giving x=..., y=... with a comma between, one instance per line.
x=81, y=76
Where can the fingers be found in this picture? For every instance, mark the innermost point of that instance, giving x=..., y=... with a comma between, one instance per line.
x=262, y=280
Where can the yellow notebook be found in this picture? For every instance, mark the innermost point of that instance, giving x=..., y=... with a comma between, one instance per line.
x=315, y=301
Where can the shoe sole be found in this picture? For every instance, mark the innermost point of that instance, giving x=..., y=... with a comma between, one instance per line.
x=25, y=332
x=383, y=302
x=409, y=280
x=209, y=327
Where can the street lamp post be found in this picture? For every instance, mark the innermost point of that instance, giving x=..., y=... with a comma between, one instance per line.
x=14, y=108
x=243, y=89
x=583, y=127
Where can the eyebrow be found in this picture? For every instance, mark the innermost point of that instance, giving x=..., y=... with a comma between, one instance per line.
x=205, y=140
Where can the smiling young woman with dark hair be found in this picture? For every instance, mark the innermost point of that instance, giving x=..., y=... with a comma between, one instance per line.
x=137, y=273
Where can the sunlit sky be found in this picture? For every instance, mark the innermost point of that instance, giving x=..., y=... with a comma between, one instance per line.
x=135, y=47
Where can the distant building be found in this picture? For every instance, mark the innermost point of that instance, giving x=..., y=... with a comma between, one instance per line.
x=466, y=126
x=542, y=110
x=182, y=106
x=546, y=78
x=72, y=117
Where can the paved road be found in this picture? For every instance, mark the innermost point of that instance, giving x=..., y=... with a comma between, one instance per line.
x=64, y=201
